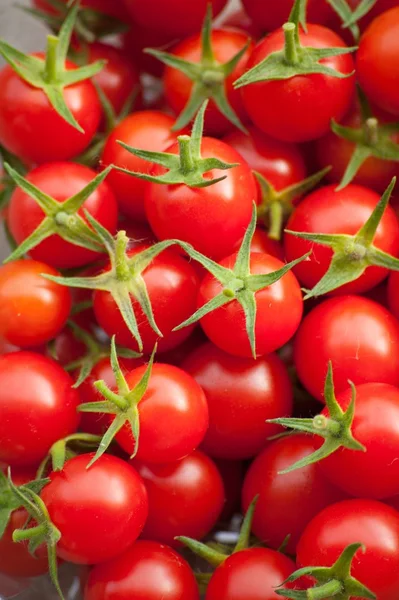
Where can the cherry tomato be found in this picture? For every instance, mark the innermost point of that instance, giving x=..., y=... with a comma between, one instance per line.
x=279, y=310
x=66, y=347
x=393, y=295
x=241, y=394
x=270, y=15
x=212, y=218
x=376, y=61
x=172, y=286
x=147, y=130
x=345, y=211
x=286, y=502
x=99, y=511
x=38, y=407
x=179, y=491
x=32, y=309
x=32, y=129
x=368, y=522
x=146, y=571
x=178, y=87
x=359, y=336
x=300, y=108
x=60, y=181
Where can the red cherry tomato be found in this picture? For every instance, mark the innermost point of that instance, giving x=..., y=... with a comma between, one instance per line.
x=172, y=286
x=286, y=502
x=212, y=218
x=37, y=405
x=99, y=511
x=393, y=293
x=147, y=571
x=242, y=393
x=376, y=61
x=345, y=211
x=32, y=309
x=32, y=129
x=60, y=181
x=367, y=522
x=270, y=15
x=300, y=108
x=147, y=130
x=279, y=310
x=179, y=491
x=359, y=336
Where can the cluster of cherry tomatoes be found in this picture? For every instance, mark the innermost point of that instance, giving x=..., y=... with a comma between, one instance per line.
x=199, y=315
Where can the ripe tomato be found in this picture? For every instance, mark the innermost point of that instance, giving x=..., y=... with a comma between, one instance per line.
x=270, y=15
x=300, y=108
x=241, y=394
x=286, y=502
x=147, y=571
x=345, y=211
x=376, y=61
x=214, y=218
x=28, y=122
x=176, y=492
x=172, y=286
x=393, y=293
x=60, y=181
x=99, y=511
x=368, y=522
x=359, y=336
x=147, y=130
x=37, y=405
x=32, y=309
x=279, y=310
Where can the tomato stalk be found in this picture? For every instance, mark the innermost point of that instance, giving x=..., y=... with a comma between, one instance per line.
x=61, y=451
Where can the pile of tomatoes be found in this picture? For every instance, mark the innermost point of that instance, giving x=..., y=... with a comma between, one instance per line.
x=199, y=314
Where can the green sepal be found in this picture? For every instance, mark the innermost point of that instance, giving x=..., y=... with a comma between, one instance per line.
x=335, y=429
x=276, y=206
x=238, y=283
x=50, y=74
x=344, y=11
x=61, y=218
x=6, y=182
x=188, y=166
x=332, y=582
x=352, y=254
x=208, y=77
x=66, y=448
x=362, y=9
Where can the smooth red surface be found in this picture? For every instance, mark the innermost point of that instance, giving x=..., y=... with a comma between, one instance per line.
x=393, y=293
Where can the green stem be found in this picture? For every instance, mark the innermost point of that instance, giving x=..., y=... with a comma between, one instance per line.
x=321, y=423
x=109, y=395
x=51, y=66
x=19, y=535
x=371, y=131
x=291, y=44
x=186, y=157
x=62, y=218
x=276, y=220
x=328, y=590
x=121, y=268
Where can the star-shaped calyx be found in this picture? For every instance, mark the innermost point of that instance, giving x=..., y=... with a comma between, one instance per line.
x=349, y=17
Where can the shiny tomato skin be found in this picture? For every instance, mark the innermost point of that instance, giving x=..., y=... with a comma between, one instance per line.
x=393, y=293
x=327, y=210
x=359, y=336
x=279, y=310
x=172, y=285
x=32, y=309
x=173, y=415
x=214, y=218
x=61, y=180
x=376, y=61
x=146, y=571
x=270, y=15
x=242, y=394
x=99, y=511
x=176, y=492
x=226, y=43
x=147, y=130
x=369, y=522
x=287, y=503
x=300, y=109
x=38, y=407
x=28, y=121
x=252, y=574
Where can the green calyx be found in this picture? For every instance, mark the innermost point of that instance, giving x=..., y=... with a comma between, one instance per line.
x=336, y=429
x=7, y=184
x=123, y=404
x=334, y=582
x=371, y=139
x=124, y=279
x=188, y=166
x=61, y=218
x=276, y=206
x=238, y=283
x=66, y=448
x=351, y=17
x=50, y=74
x=294, y=59
x=208, y=77
x=352, y=254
